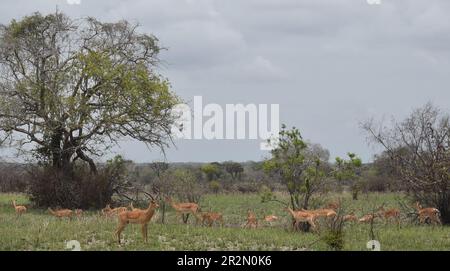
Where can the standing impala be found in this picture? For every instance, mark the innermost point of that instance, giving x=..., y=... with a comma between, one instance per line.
x=322, y=212
x=270, y=218
x=137, y=216
x=211, y=217
x=20, y=209
x=351, y=217
x=108, y=211
x=432, y=214
x=252, y=221
x=61, y=213
x=184, y=208
x=390, y=213
x=369, y=218
x=302, y=216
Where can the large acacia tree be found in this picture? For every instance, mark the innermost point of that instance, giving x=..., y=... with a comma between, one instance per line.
x=72, y=88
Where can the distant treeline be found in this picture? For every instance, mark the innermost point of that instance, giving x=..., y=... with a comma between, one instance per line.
x=244, y=177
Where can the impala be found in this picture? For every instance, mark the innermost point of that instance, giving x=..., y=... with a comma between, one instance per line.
x=368, y=218
x=302, y=216
x=132, y=207
x=252, y=221
x=390, y=213
x=20, y=209
x=137, y=216
x=333, y=205
x=210, y=218
x=78, y=212
x=351, y=217
x=61, y=213
x=432, y=214
x=322, y=212
x=108, y=211
x=270, y=218
x=184, y=208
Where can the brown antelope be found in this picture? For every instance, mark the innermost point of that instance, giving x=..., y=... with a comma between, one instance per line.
x=367, y=218
x=270, y=218
x=252, y=221
x=61, y=213
x=137, y=216
x=333, y=205
x=302, y=216
x=20, y=209
x=132, y=207
x=78, y=212
x=108, y=211
x=119, y=210
x=210, y=218
x=351, y=217
x=184, y=208
x=432, y=214
x=390, y=213
x=322, y=212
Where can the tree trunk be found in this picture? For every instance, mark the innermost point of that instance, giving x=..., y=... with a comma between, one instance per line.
x=444, y=208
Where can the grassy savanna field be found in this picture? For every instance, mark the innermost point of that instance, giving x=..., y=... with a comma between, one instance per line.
x=38, y=230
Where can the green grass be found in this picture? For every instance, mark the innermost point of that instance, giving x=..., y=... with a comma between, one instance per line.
x=37, y=230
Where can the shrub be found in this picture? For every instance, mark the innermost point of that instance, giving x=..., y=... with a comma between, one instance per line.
x=247, y=187
x=214, y=186
x=79, y=188
x=334, y=233
x=12, y=178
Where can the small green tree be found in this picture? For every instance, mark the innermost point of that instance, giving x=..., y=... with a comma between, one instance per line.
x=212, y=171
x=299, y=168
x=347, y=170
x=214, y=186
x=234, y=169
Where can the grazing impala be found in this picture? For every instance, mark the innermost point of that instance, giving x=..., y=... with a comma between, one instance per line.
x=184, y=208
x=270, y=218
x=351, y=217
x=252, y=221
x=322, y=212
x=367, y=218
x=333, y=205
x=302, y=216
x=210, y=218
x=137, y=216
x=432, y=214
x=20, y=209
x=390, y=213
x=108, y=211
x=61, y=213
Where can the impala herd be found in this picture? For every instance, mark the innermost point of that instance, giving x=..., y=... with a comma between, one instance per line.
x=130, y=214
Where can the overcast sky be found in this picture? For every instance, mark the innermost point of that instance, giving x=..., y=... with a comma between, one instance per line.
x=329, y=64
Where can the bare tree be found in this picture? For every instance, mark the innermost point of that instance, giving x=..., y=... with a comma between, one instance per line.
x=419, y=150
